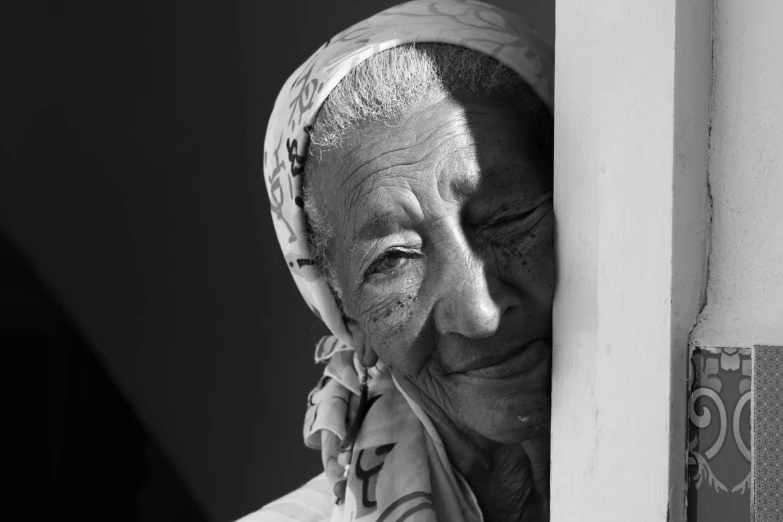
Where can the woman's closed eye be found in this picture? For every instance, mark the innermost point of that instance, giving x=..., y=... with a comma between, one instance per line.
x=507, y=218
x=516, y=228
x=518, y=217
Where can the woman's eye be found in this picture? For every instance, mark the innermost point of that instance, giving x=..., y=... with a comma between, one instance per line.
x=504, y=220
x=388, y=262
x=529, y=217
x=512, y=218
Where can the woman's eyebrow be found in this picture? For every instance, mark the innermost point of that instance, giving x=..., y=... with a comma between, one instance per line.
x=378, y=225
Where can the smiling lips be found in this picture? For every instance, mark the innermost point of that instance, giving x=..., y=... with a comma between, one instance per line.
x=509, y=362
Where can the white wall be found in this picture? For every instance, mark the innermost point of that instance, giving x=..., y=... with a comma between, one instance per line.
x=745, y=288
x=631, y=120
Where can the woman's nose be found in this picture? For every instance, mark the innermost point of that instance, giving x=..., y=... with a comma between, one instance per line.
x=471, y=301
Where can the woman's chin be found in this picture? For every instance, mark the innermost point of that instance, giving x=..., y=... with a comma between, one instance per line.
x=511, y=409
x=508, y=412
x=516, y=421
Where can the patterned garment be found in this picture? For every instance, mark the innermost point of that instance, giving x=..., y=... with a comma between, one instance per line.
x=400, y=470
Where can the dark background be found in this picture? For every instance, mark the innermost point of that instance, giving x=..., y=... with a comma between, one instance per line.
x=131, y=193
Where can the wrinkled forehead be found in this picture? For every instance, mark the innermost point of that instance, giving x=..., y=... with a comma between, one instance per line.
x=421, y=139
x=448, y=150
x=432, y=149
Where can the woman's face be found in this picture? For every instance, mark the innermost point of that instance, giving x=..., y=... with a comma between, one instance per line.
x=444, y=254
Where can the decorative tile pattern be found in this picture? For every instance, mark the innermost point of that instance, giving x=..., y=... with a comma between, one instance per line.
x=719, y=436
x=768, y=434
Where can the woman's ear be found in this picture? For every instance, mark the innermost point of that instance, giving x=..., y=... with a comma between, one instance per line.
x=367, y=355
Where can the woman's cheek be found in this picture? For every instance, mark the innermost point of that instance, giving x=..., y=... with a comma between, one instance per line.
x=530, y=266
x=387, y=309
x=521, y=255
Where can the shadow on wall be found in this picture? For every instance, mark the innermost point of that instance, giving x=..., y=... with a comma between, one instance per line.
x=131, y=179
x=94, y=460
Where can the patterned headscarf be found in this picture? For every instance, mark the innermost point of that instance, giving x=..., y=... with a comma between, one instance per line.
x=467, y=23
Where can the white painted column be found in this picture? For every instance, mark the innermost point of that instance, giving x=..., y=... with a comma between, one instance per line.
x=632, y=118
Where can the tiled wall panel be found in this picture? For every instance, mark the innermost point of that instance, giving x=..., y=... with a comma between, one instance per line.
x=719, y=456
x=768, y=434
x=735, y=413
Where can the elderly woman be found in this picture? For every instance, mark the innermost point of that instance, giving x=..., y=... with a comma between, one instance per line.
x=409, y=169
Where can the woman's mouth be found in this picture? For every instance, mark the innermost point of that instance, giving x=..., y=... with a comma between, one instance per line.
x=516, y=362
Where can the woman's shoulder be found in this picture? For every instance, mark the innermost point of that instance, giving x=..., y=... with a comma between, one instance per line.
x=313, y=502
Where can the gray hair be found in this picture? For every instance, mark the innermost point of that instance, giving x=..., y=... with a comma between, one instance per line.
x=385, y=87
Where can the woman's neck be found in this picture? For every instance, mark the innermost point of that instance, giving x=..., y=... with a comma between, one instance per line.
x=510, y=481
